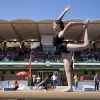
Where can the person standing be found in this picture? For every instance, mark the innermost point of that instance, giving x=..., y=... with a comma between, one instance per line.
x=54, y=79
x=96, y=80
x=38, y=79
x=76, y=78
x=60, y=80
x=33, y=76
x=81, y=78
x=64, y=80
x=67, y=47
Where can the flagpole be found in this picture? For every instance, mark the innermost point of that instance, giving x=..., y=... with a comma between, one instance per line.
x=29, y=68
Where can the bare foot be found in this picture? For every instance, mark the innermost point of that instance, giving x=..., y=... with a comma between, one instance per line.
x=68, y=90
x=86, y=23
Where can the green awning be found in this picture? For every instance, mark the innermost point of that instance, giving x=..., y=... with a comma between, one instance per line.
x=45, y=69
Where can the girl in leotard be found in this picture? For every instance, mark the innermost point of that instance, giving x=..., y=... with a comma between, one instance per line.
x=66, y=47
x=44, y=84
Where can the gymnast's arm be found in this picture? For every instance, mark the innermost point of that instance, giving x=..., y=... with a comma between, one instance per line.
x=63, y=13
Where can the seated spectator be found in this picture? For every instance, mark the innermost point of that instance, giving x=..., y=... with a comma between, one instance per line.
x=38, y=80
x=16, y=85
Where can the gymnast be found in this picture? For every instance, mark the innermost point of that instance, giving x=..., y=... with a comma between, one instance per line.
x=44, y=84
x=66, y=47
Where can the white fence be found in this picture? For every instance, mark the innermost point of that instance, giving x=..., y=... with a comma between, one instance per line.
x=23, y=84
x=9, y=83
x=87, y=83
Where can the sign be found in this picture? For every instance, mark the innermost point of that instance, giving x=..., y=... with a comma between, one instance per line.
x=47, y=63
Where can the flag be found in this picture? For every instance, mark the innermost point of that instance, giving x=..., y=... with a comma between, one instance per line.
x=29, y=66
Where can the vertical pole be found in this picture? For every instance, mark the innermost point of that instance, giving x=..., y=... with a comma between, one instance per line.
x=73, y=59
x=29, y=68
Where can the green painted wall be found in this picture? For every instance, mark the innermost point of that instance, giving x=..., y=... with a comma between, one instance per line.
x=46, y=69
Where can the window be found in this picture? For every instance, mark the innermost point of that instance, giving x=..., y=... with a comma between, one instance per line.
x=85, y=72
x=3, y=72
x=12, y=72
x=93, y=72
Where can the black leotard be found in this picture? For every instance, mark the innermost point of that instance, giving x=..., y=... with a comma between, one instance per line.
x=44, y=85
x=60, y=43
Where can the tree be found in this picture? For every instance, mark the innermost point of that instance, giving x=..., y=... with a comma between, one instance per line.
x=30, y=81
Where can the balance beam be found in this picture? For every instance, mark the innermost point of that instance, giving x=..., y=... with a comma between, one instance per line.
x=49, y=95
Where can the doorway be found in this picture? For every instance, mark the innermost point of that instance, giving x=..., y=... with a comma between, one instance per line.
x=47, y=73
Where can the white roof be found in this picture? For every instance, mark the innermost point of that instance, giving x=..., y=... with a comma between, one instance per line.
x=27, y=29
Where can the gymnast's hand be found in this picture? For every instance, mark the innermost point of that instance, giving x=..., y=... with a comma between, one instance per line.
x=68, y=7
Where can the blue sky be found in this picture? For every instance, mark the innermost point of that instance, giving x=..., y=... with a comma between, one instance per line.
x=42, y=9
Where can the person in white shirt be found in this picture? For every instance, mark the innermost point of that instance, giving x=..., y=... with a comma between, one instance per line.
x=34, y=78
x=54, y=80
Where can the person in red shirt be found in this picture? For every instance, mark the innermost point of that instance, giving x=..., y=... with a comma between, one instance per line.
x=64, y=80
x=81, y=78
x=16, y=85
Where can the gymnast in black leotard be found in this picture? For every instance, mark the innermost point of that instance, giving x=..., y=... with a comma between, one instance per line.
x=60, y=43
x=44, y=84
x=66, y=47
